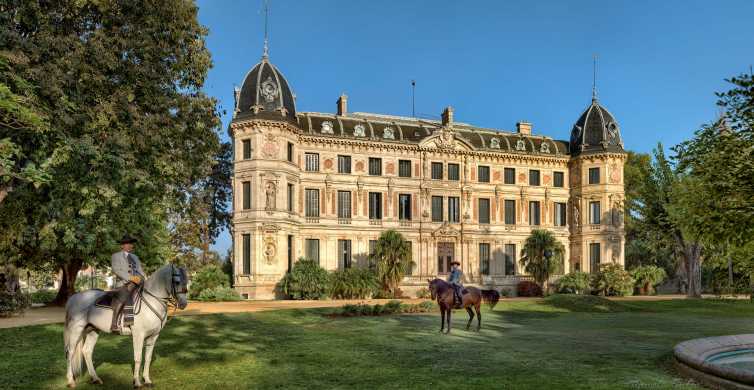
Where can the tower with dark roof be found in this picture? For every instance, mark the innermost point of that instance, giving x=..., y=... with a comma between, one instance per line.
x=597, y=193
x=265, y=93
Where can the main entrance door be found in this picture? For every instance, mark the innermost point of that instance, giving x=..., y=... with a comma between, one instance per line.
x=445, y=252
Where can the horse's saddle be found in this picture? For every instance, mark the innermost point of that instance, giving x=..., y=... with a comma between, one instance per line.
x=106, y=300
x=126, y=315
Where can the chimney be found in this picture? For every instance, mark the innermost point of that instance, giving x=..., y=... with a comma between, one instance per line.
x=523, y=127
x=447, y=116
x=343, y=104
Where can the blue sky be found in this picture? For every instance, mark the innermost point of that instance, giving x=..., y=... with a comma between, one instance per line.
x=495, y=62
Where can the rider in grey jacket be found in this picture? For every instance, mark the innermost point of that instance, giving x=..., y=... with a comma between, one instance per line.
x=455, y=280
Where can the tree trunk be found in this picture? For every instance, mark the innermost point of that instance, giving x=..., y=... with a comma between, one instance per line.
x=68, y=282
x=693, y=260
x=4, y=191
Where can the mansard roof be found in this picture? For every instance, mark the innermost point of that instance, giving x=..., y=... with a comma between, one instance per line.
x=406, y=130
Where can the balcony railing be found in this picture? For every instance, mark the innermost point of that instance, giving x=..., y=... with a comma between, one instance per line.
x=344, y=221
x=406, y=223
x=375, y=222
x=312, y=219
x=594, y=227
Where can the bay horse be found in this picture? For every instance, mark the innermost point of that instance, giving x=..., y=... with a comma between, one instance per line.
x=84, y=320
x=442, y=292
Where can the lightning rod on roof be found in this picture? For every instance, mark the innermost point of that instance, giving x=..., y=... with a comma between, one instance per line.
x=266, y=52
x=594, y=77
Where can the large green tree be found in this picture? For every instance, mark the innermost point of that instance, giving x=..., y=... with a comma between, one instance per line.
x=122, y=80
x=542, y=255
x=392, y=257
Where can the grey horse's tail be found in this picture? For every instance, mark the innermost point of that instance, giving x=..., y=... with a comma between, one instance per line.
x=74, y=350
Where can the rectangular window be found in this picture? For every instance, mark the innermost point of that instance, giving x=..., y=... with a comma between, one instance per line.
x=375, y=205
x=411, y=265
x=437, y=209
x=560, y=214
x=594, y=257
x=375, y=166
x=454, y=209
x=533, y=177
x=453, y=172
x=246, y=254
x=510, y=259
x=510, y=175
x=344, y=164
x=436, y=171
x=404, y=168
x=484, y=258
x=404, y=207
x=312, y=249
x=557, y=179
x=594, y=213
x=290, y=152
x=290, y=252
x=246, y=195
x=484, y=211
x=510, y=212
x=594, y=176
x=290, y=197
x=344, y=204
x=312, y=162
x=534, y=213
x=344, y=254
x=246, y=149
x=483, y=174
x=312, y=203
x=372, y=249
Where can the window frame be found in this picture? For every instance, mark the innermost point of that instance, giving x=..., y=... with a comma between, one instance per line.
x=246, y=146
x=401, y=169
x=512, y=177
x=404, y=214
x=341, y=197
x=507, y=215
x=344, y=164
x=594, y=178
x=437, y=211
x=535, y=173
x=308, y=249
x=555, y=176
x=454, y=217
x=456, y=171
x=538, y=209
x=246, y=195
x=375, y=165
x=311, y=207
x=595, y=218
x=484, y=258
x=375, y=207
x=479, y=170
x=486, y=219
x=311, y=162
x=436, y=164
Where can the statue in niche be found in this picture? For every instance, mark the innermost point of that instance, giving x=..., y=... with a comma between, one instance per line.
x=520, y=145
x=495, y=143
x=359, y=131
x=388, y=133
x=545, y=147
x=270, y=192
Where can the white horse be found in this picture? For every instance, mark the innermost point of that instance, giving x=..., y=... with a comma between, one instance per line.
x=84, y=320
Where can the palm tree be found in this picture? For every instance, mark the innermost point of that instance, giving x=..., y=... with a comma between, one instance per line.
x=392, y=257
x=542, y=256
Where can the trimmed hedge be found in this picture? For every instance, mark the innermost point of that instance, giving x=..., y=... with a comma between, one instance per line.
x=574, y=283
x=307, y=280
x=526, y=288
x=43, y=296
x=392, y=307
x=219, y=294
x=353, y=283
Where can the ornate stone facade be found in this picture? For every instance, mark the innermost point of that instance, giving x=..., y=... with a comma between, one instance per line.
x=374, y=172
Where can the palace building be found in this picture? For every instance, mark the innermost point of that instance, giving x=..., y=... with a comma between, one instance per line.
x=324, y=186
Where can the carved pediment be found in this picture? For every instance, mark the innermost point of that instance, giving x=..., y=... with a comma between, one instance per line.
x=445, y=230
x=269, y=228
x=445, y=138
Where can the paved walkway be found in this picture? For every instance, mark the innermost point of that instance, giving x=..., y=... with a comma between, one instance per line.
x=54, y=314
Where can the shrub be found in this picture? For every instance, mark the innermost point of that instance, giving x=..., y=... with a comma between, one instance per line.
x=612, y=280
x=574, y=283
x=587, y=303
x=392, y=307
x=43, y=296
x=506, y=293
x=209, y=277
x=13, y=302
x=219, y=294
x=84, y=282
x=423, y=293
x=648, y=276
x=307, y=280
x=527, y=288
x=353, y=283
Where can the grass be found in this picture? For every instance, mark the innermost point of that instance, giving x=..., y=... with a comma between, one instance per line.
x=553, y=343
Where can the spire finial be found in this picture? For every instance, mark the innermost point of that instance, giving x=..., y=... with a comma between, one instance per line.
x=266, y=52
x=594, y=78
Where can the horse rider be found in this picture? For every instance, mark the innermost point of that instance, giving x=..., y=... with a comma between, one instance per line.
x=127, y=269
x=455, y=280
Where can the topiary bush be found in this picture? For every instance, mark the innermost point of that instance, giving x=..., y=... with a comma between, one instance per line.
x=353, y=283
x=527, y=288
x=209, y=277
x=648, y=276
x=12, y=303
x=392, y=307
x=43, y=296
x=612, y=280
x=307, y=280
x=423, y=293
x=219, y=294
x=576, y=282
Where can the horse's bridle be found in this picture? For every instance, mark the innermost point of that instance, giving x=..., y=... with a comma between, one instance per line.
x=176, y=277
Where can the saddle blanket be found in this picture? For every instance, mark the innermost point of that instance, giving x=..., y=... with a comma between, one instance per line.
x=126, y=314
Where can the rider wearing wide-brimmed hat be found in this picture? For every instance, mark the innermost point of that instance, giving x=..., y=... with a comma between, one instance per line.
x=127, y=268
x=455, y=280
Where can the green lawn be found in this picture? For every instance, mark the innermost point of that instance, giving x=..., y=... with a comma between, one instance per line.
x=524, y=344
